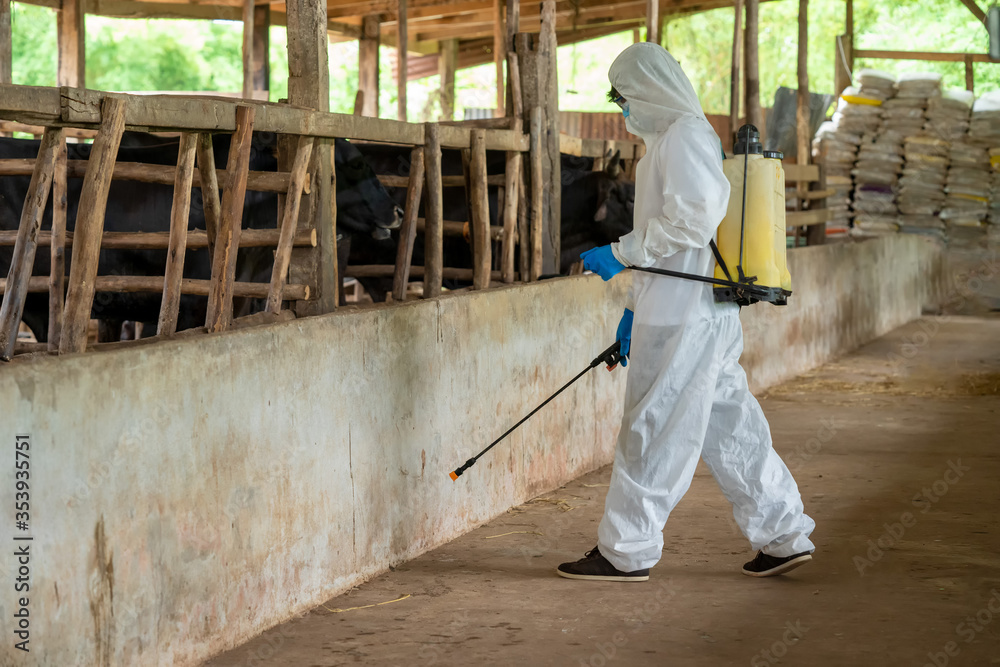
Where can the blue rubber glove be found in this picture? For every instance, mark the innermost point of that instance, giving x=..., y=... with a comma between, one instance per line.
x=625, y=335
x=602, y=261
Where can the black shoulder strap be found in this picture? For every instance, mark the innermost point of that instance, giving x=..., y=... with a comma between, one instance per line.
x=718, y=258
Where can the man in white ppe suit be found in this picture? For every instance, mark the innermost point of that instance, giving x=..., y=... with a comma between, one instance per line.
x=686, y=394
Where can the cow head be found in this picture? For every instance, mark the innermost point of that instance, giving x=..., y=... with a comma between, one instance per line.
x=364, y=206
x=615, y=200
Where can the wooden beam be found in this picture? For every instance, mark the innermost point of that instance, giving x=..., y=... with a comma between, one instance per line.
x=434, y=232
x=23, y=258
x=734, y=73
x=220, y=300
x=408, y=231
x=976, y=11
x=499, y=54
x=197, y=239
x=653, y=21
x=512, y=175
x=6, y=43
x=154, y=284
x=179, y=214
x=447, y=61
x=261, y=51
x=368, y=65
x=755, y=115
x=90, y=227
x=970, y=79
x=922, y=55
x=289, y=224
x=70, y=36
x=248, y=67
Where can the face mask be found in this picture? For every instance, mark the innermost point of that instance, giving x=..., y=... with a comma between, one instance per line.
x=625, y=111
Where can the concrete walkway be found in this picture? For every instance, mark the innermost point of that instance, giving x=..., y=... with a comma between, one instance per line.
x=896, y=450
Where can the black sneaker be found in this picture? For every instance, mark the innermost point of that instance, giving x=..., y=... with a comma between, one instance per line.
x=595, y=567
x=768, y=566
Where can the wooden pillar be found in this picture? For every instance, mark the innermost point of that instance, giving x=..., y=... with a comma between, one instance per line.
x=433, y=213
x=844, y=52
x=70, y=36
x=802, y=134
x=447, y=63
x=248, y=49
x=401, y=61
x=734, y=83
x=970, y=83
x=368, y=65
x=653, y=21
x=513, y=92
x=309, y=86
x=499, y=54
x=408, y=231
x=537, y=193
x=755, y=115
x=289, y=224
x=261, y=51
x=6, y=43
x=90, y=226
x=549, y=93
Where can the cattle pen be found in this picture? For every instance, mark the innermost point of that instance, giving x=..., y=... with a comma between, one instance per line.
x=303, y=241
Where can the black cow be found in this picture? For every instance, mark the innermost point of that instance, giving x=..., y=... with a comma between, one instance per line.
x=364, y=207
x=596, y=210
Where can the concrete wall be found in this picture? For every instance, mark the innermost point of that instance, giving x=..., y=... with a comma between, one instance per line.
x=187, y=495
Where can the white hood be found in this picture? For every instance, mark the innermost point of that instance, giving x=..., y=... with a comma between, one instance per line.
x=656, y=88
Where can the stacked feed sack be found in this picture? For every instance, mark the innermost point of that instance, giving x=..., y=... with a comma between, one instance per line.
x=836, y=150
x=993, y=217
x=984, y=130
x=879, y=161
x=968, y=188
x=920, y=191
x=948, y=115
x=905, y=114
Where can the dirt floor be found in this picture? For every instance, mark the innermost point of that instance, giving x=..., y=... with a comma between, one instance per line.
x=896, y=449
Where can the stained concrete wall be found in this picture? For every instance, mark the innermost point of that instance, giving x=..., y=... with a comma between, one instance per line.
x=187, y=495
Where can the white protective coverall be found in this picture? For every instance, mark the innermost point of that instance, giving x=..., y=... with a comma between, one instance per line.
x=686, y=394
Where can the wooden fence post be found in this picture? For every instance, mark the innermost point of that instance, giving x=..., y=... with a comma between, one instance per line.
x=90, y=226
x=220, y=300
x=57, y=249
x=289, y=224
x=179, y=215
x=23, y=258
x=408, y=232
x=209, y=189
x=479, y=210
x=537, y=192
x=512, y=182
x=434, y=213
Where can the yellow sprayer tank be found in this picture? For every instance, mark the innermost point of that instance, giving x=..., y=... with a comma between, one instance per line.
x=754, y=223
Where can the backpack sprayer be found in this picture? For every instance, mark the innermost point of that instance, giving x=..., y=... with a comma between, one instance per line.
x=751, y=236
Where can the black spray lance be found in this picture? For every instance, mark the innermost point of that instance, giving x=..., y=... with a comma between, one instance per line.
x=610, y=356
